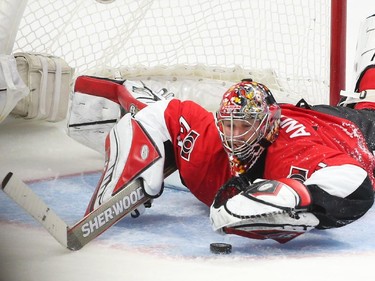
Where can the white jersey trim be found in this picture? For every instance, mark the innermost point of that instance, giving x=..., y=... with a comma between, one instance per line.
x=339, y=181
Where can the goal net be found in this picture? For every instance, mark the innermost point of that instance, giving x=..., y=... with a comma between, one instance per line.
x=195, y=48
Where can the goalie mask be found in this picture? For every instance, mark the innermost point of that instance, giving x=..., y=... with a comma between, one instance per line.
x=248, y=121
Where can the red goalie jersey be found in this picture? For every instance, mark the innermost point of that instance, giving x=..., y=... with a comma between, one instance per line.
x=309, y=141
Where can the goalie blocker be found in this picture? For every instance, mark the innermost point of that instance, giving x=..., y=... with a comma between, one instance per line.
x=130, y=152
x=132, y=149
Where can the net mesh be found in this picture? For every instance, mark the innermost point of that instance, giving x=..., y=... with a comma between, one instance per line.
x=282, y=43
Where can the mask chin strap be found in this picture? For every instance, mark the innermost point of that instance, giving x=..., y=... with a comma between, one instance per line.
x=264, y=143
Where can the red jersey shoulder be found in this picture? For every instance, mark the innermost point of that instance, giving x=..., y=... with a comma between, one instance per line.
x=202, y=162
x=311, y=140
x=187, y=119
x=299, y=122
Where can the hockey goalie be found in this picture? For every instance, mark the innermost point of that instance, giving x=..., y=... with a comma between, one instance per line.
x=266, y=170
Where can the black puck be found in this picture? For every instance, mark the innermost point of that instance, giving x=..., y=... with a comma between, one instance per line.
x=220, y=248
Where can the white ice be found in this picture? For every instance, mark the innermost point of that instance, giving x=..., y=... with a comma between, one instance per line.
x=170, y=242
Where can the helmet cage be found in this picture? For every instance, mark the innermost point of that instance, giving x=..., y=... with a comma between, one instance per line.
x=255, y=127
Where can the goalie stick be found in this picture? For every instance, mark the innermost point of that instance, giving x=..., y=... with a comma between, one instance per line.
x=92, y=225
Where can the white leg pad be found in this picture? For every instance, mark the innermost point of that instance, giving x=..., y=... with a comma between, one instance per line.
x=365, y=52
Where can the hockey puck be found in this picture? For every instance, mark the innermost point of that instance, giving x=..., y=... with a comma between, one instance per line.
x=220, y=248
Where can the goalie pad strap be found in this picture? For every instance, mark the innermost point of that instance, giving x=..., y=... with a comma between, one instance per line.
x=364, y=94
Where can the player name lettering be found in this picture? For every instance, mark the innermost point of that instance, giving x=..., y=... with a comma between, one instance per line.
x=294, y=127
x=112, y=212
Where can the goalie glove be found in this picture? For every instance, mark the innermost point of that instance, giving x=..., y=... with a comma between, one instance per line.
x=231, y=188
x=268, y=209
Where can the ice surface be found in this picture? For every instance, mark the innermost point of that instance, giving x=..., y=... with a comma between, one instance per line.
x=178, y=226
x=169, y=242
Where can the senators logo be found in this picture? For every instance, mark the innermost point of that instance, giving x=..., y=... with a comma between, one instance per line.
x=298, y=173
x=188, y=145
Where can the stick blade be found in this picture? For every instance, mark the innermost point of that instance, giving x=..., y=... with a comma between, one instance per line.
x=22, y=194
x=107, y=214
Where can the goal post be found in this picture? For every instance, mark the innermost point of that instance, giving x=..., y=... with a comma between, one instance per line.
x=296, y=47
x=338, y=50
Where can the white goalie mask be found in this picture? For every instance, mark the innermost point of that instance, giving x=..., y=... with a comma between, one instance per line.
x=248, y=120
